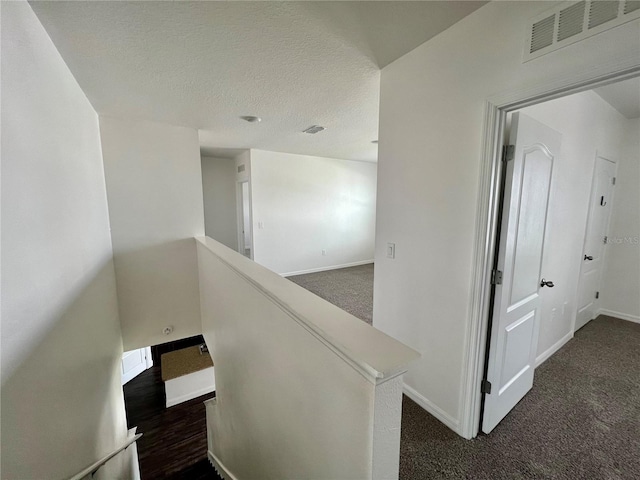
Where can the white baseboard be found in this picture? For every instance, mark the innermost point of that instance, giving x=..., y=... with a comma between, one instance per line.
x=432, y=408
x=219, y=466
x=324, y=269
x=184, y=398
x=189, y=396
x=190, y=386
x=620, y=315
x=540, y=359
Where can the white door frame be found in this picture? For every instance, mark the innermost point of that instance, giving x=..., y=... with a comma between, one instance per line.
x=496, y=109
x=148, y=363
x=240, y=217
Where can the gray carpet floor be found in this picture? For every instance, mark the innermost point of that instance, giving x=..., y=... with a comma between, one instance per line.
x=581, y=420
x=351, y=288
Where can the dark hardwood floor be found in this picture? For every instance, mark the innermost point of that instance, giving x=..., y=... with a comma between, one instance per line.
x=174, y=441
x=158, y=350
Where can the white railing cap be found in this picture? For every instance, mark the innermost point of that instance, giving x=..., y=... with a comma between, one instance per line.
x=375, y=354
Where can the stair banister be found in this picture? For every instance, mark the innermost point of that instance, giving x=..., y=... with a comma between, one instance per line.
x=95, y=466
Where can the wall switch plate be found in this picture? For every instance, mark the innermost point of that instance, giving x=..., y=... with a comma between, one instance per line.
x=324, y=253
x=260, y=225
x=391, y=250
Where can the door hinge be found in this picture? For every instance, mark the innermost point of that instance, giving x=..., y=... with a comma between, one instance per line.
x=508, y=152
x=597, y=294
x=613, y=180
x=485, y=387
x=496, y=277
x=605, y=239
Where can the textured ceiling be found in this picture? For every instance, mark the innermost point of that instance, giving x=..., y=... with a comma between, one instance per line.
x=204, y=64
x=623, y=96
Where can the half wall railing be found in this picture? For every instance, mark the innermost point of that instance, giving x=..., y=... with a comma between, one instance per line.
x=304, y=389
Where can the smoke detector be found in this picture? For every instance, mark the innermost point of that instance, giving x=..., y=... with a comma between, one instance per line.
x=313, y=129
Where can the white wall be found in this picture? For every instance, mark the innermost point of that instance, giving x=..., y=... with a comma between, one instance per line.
x=219, y=191
x=62, y=402
x=431, y=139
x=622, y=273
x=303, y=205
x=244, y=159
x=588, y=125
x=154, y=187
x=303, y=389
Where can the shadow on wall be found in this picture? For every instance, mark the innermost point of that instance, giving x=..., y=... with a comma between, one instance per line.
x=63, y=406
x=158, y=287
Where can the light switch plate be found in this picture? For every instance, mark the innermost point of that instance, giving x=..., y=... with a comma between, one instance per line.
x=391, y=250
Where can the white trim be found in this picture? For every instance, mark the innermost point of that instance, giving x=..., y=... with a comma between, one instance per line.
x=484, y=244
x=540, y=359
x=240, y=217
x=486, y=222
x=219, y=466
x=324, y=269
x=190, y=386
x=432, y=408
x=620, y=315
x=148, y=357
x=189, y=396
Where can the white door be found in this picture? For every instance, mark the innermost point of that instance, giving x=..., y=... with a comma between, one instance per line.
x=594, y=242
x=515, y=320
x=135, y=362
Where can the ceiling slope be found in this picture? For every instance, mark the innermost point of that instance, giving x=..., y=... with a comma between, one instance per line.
x=204, y=64
x=623, y=96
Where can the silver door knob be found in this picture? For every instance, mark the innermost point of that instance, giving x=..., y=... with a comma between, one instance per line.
x=588, y=257
x=546, y=283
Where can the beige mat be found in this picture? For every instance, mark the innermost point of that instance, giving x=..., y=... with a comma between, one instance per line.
x=182, y=362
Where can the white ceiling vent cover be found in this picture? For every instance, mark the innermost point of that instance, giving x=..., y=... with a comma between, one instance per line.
x=542, y=34
x=602, y=11
x=572, y=22
x=631, y=6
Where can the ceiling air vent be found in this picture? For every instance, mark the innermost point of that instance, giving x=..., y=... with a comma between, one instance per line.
x=602, y=11
x=542, y=34
x=313, y=129
x=631, y=6
x=571, y=22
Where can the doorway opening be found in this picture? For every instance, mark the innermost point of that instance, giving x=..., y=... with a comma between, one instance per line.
x=244, y=221
x=566, y=250
x=166, y=402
